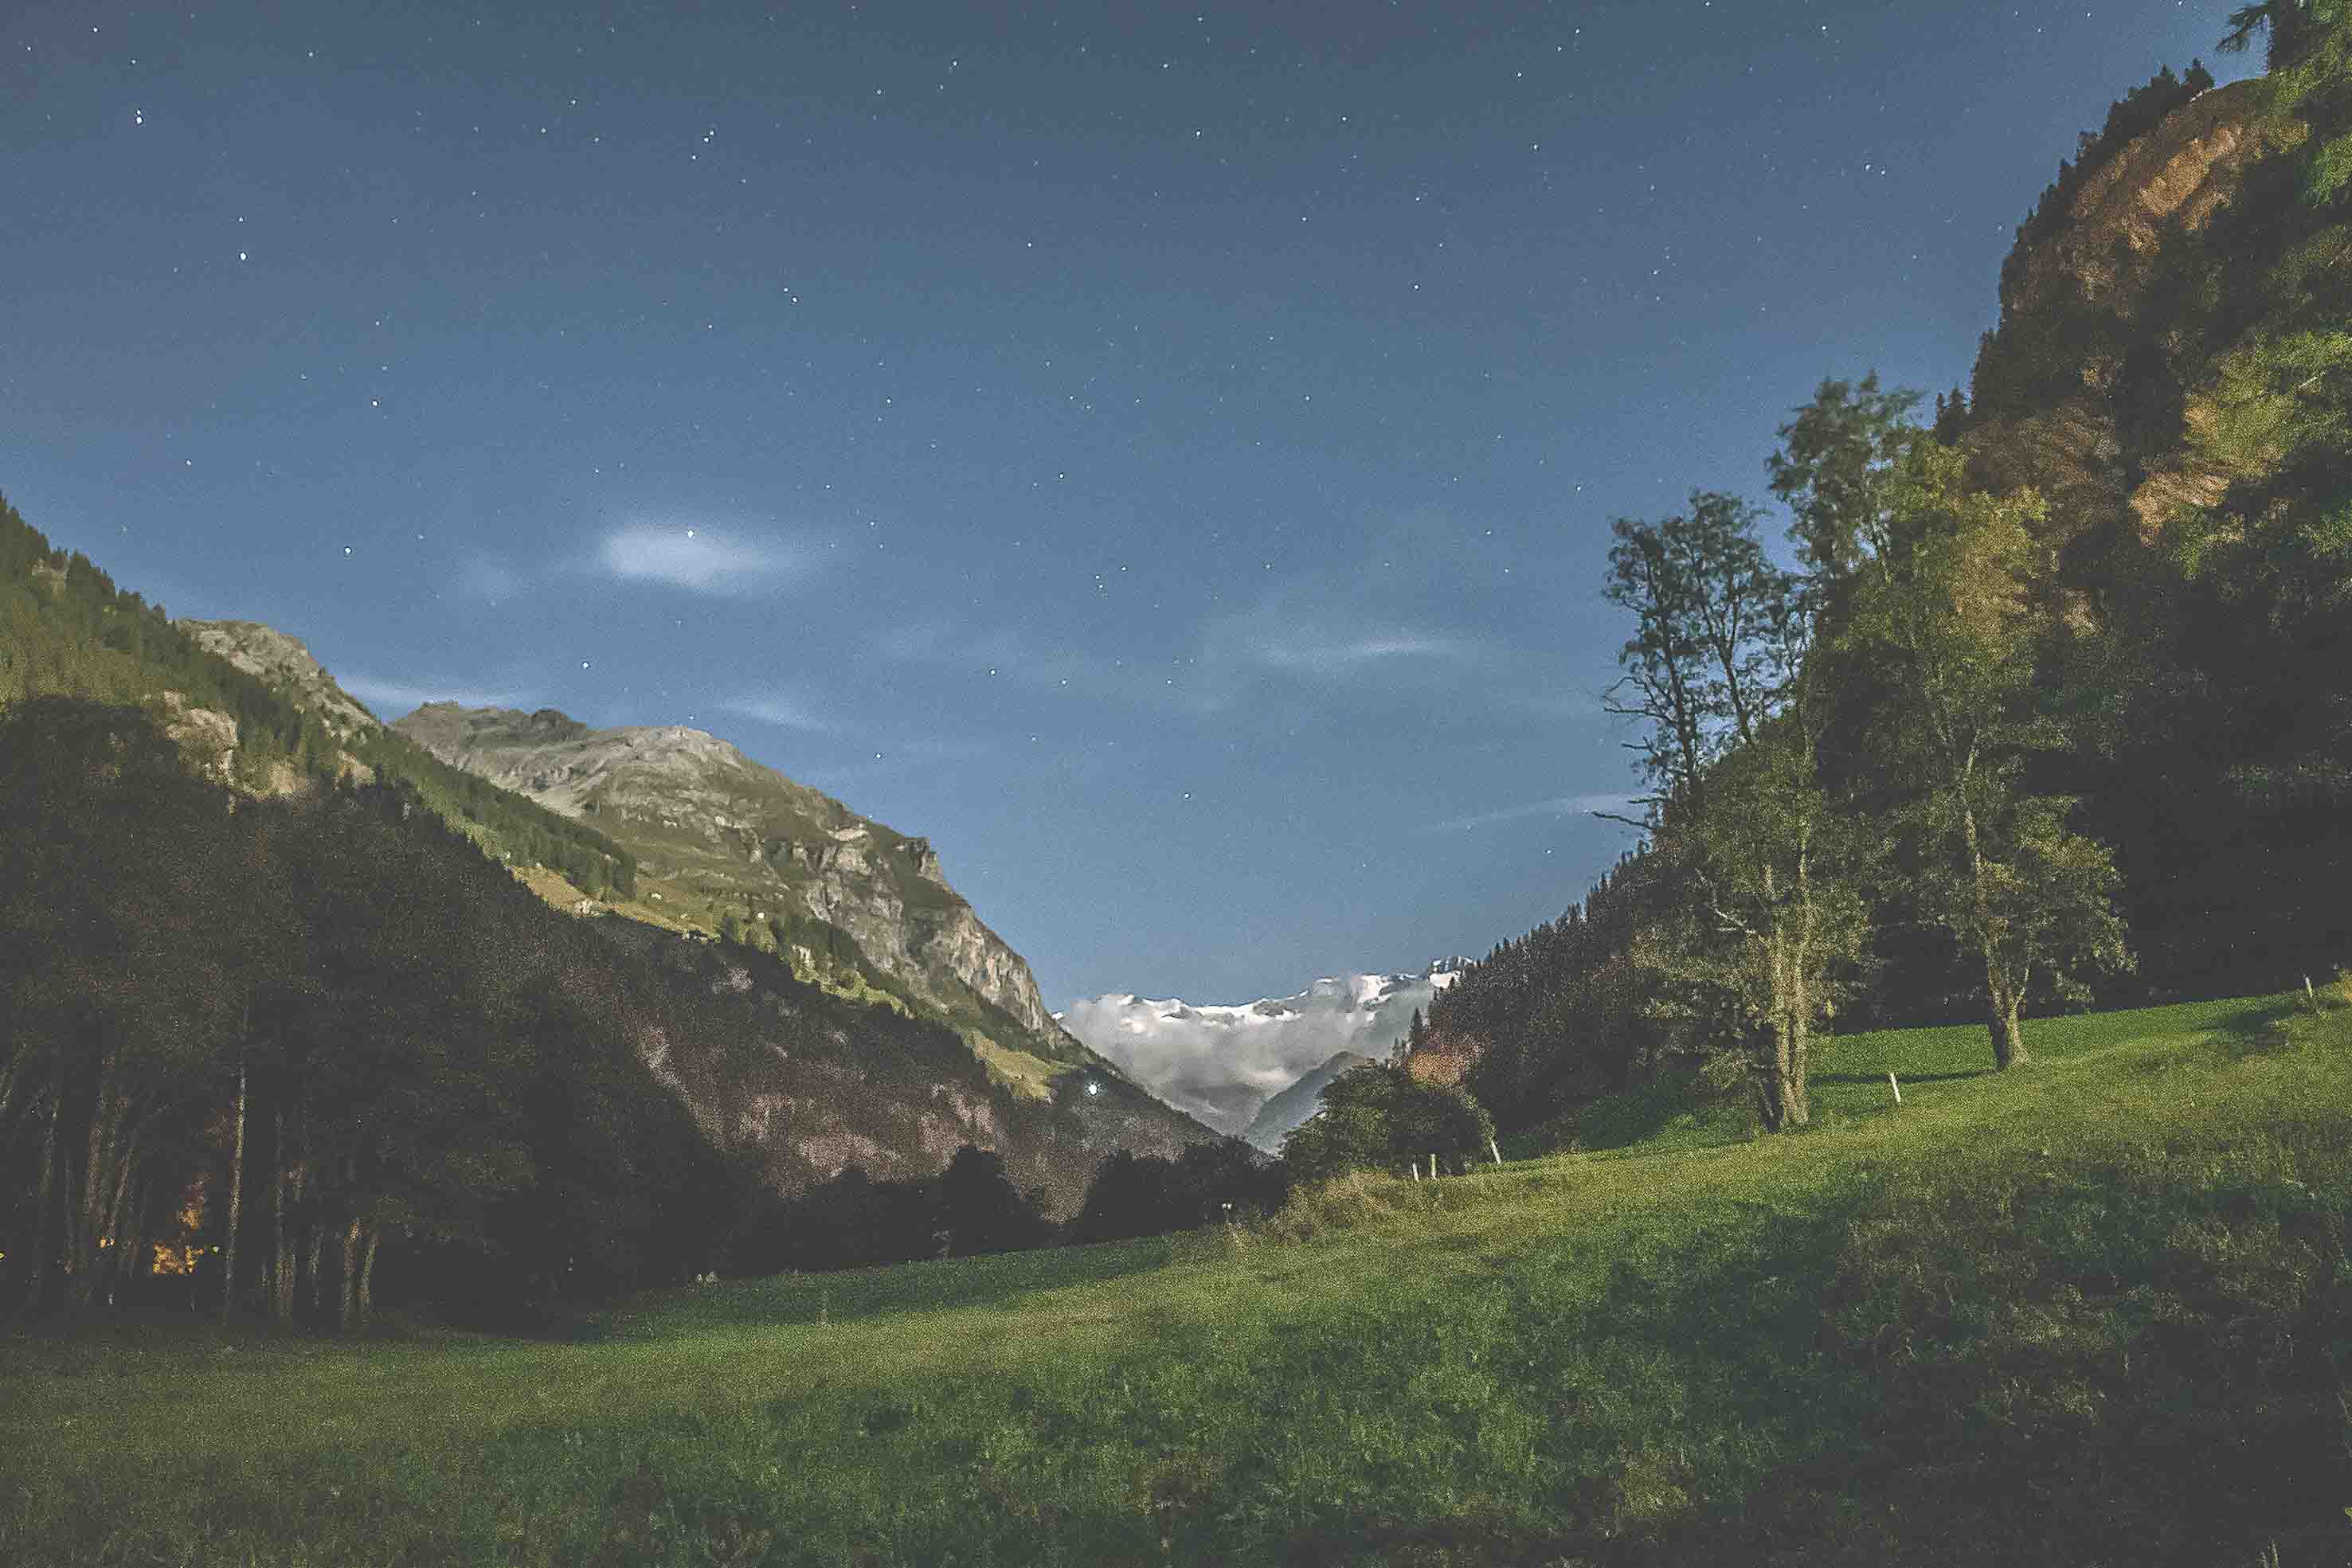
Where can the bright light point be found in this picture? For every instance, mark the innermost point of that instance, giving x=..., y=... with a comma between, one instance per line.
x=1093, y=1087
x=583, y=663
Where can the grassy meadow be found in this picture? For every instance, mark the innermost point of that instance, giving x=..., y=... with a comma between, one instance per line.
x=2098, y=1310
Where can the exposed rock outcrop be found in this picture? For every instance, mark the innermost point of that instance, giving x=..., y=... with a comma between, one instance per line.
x=283, y=662
x=741, y=839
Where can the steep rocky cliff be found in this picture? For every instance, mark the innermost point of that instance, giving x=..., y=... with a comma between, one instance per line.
x=285, y=663
x=2172, y=372
x=728, y=844
x=2120, y=310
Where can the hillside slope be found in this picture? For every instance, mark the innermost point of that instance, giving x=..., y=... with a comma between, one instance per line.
x=2172, y=372
x=2095, y=1312
x=2171, y=379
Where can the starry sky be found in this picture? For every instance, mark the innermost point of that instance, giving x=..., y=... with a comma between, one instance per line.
x=1163, y=453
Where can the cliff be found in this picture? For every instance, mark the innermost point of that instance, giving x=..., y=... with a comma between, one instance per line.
x=724, y=844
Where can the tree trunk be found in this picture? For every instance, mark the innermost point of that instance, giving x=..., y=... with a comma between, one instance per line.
x=36, y=1267
x=1797, y=1098
x=1788, y=1070
x=2002, y=998
x=348, y=1292
x=281, y=1278
x=85, y=1206
x=318, y=1281
x=367, y=1279
x=235, y=1199
x=2000, y=1022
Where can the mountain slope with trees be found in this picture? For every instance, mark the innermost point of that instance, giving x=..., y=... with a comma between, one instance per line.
x=2054, y=702
x=282, y=1025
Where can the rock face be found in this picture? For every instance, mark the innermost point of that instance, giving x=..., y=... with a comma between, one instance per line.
x=2108, y=324
x=283, y=662
x=812, y=1082
x=726, y=837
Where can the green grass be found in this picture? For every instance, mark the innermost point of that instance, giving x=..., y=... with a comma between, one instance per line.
x=2094, y=1311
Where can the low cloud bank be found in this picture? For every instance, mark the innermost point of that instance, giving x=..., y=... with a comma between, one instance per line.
x=1221, y=1063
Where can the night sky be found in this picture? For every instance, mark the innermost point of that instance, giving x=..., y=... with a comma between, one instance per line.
x=1164, y=453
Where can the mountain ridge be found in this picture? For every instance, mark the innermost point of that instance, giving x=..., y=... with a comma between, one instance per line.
x=752, y=853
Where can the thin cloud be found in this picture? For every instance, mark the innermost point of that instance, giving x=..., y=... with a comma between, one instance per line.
x=487, y=578
x=783, y=712
x=1323, y=652
x=1557, y=806
x=697, y=558
x=392, y=700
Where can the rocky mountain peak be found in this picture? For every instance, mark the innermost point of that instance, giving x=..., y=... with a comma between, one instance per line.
x=725, y=841
x=279, y=660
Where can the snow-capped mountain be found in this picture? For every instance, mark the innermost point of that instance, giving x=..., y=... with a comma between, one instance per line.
x=1222, y=1062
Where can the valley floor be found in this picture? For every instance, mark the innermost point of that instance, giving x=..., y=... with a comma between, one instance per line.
x=2098, y=1310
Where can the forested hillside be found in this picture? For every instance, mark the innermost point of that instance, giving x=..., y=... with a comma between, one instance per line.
x=300, y=1052
x=66, y=630
x=2055, y=702
x=280, y=1030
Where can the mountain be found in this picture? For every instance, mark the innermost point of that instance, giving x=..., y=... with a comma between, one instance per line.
x=725, y=845
x=284, y=663
x=2171, y=376
x=1223, y=1063
x=1293, y=1106
x=803, y=1059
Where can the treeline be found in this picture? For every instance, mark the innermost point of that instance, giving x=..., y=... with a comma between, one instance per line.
x=1992, y=745
x=973, y=1207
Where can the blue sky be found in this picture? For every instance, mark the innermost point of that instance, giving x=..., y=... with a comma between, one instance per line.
x=1165, y=454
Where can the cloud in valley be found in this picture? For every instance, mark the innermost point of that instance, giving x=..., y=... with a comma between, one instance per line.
x=1221, y=1063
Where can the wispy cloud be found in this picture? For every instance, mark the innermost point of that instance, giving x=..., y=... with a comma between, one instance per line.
x=783, y=710
x=392, y=699
x=1321, y=651
x=1318, y=636
x=1557, y=806
x=488, y=578
x=698, y=559
x=1009, y=653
